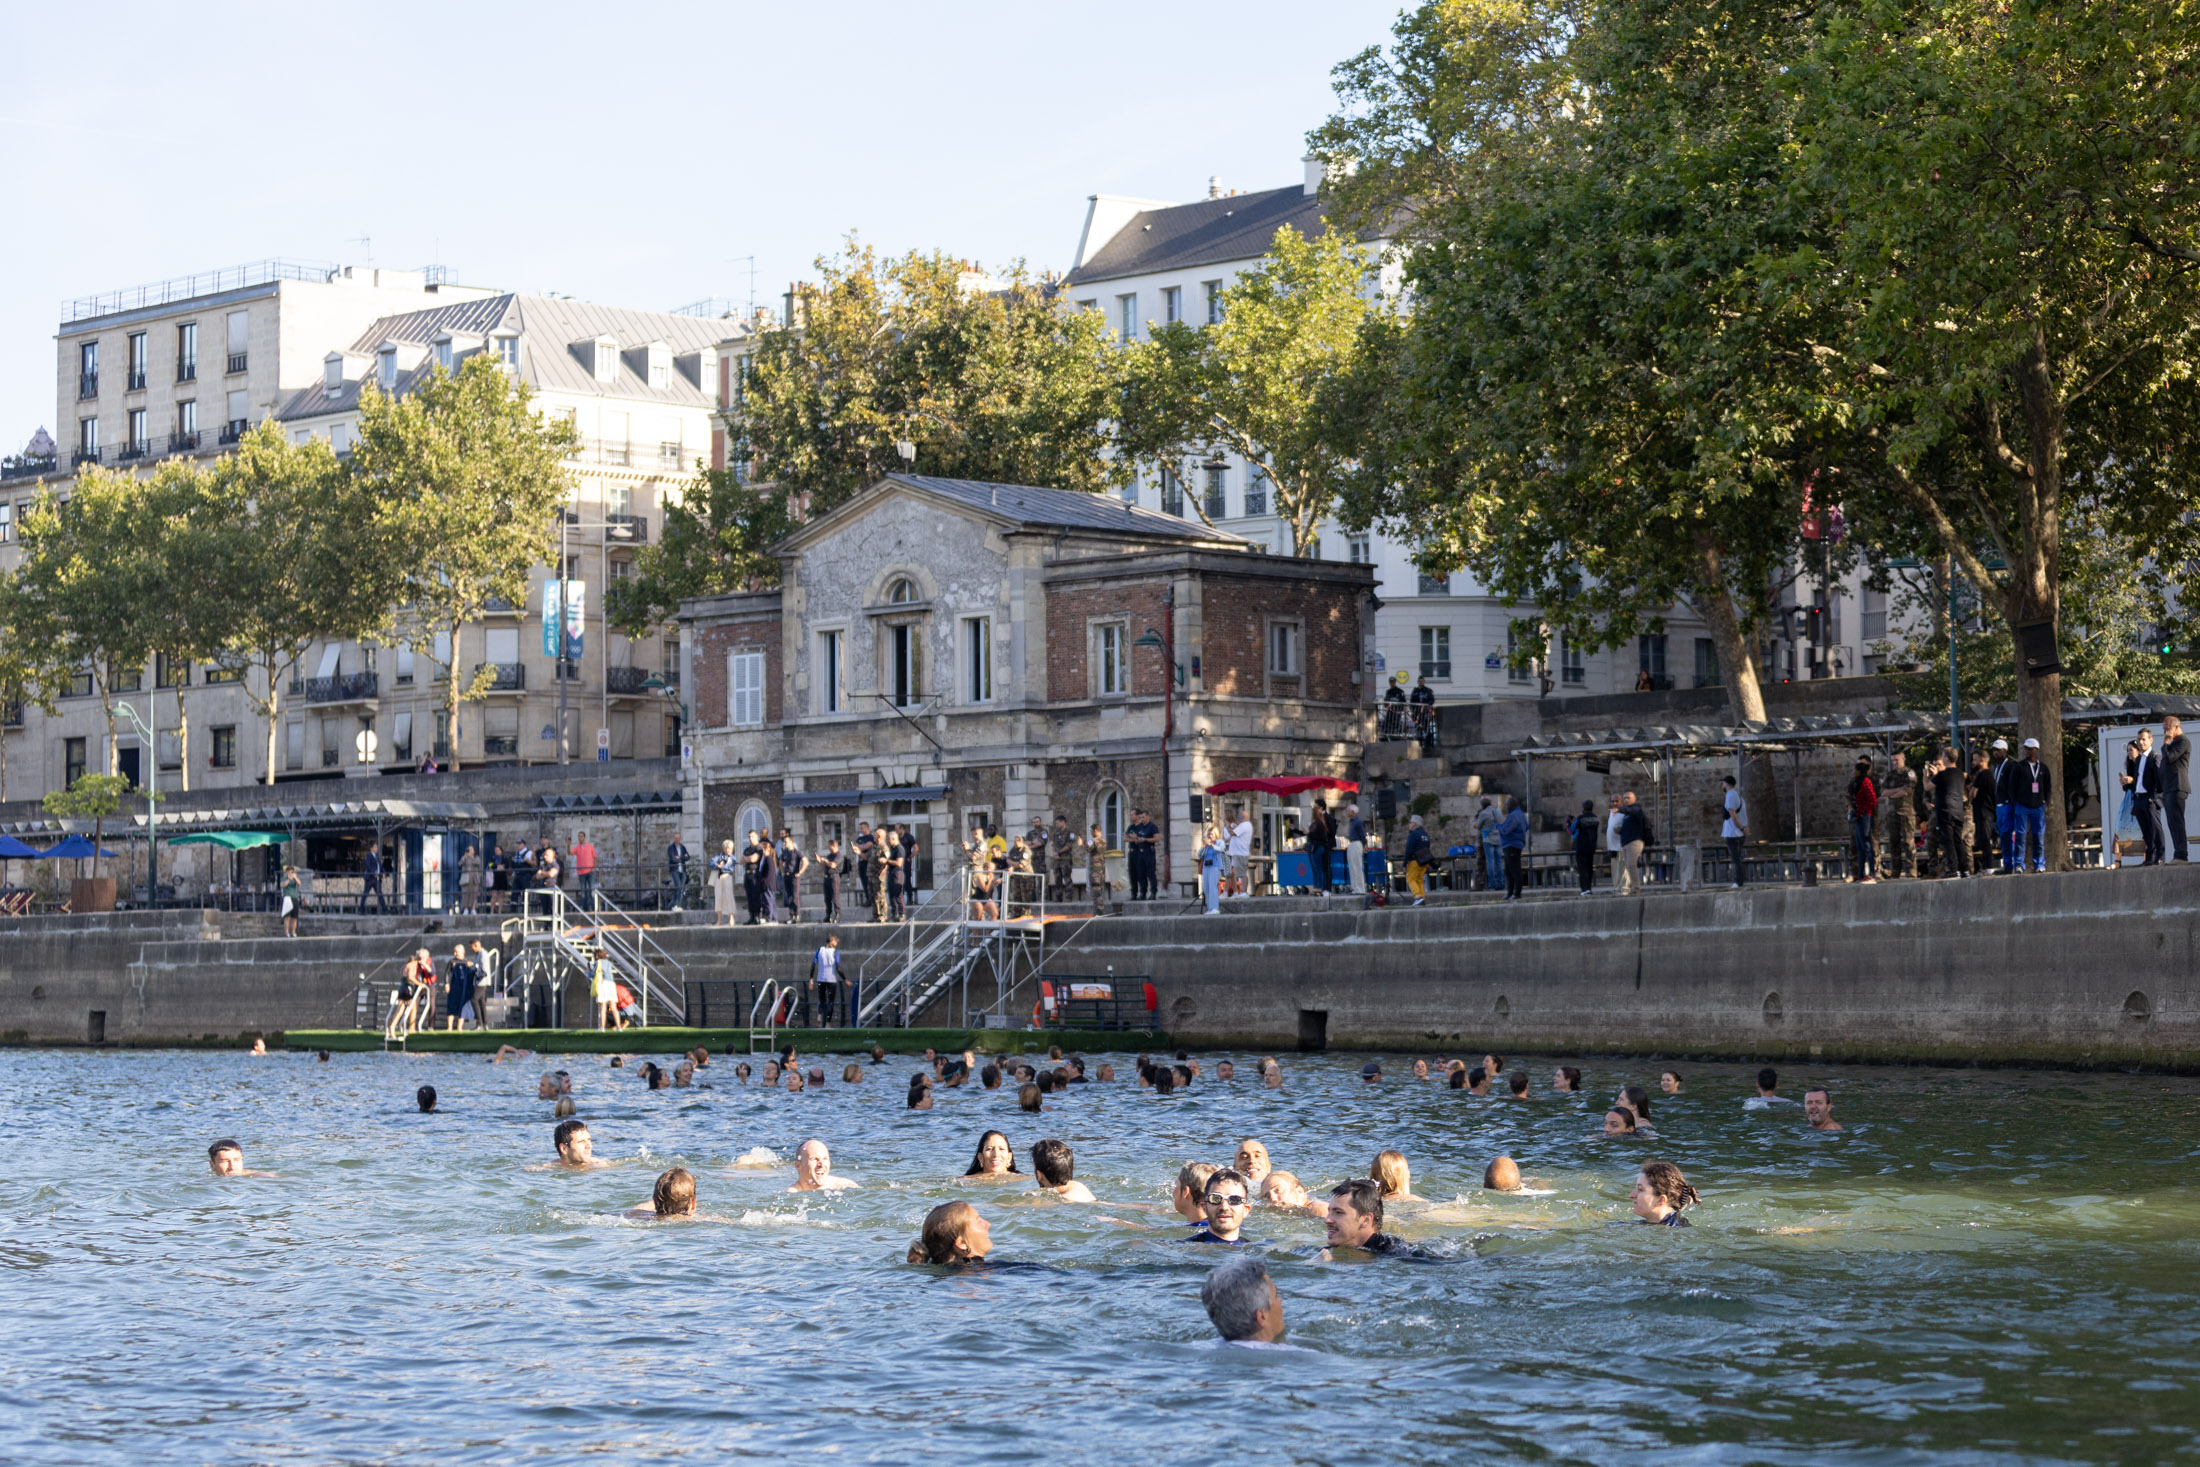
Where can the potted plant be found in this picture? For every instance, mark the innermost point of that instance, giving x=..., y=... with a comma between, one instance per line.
x=94, y=797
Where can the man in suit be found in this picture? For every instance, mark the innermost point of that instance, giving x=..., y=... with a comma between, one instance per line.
x=2005, y=820
x=2143, y=777
x=2176, y=782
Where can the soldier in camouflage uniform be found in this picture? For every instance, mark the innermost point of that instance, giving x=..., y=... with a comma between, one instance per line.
x=1062, y=858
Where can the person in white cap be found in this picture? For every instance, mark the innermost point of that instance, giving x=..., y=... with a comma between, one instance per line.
x=2031, y=786
x=2004, y=827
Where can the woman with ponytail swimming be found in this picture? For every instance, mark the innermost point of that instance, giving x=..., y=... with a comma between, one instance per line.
x=954, y=1234
x=1660, y=1194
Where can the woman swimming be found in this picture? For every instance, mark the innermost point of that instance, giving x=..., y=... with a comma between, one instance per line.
x=1619, y=1121
x=1395, y=1178
x=1660, y=1194
x=920, y=1091
x=994, y=1159
x=954, y=1233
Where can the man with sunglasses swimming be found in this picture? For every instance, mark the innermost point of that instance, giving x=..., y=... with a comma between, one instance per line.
x=1228, y=1202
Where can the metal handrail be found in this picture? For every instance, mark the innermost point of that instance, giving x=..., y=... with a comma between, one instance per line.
x=634, y=944
x=767, y=999
x=957, y=894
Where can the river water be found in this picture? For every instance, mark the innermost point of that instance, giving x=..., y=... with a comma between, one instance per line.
x=1985, y=1266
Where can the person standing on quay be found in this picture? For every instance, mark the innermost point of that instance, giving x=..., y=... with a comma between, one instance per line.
x=836, y=867
x=1096, y=871
x=1985, y=835
x=723, y=869
x=1418, y=854
x=584, y=869
x=1734, y=831
x=767, y=881
x=1634, y=836
x=1863, y=814
x=1321, y=839
x=676, y=870
x=1355, y=851
x=2005, y=809
x=1512, y=839
x=792, y=863
x=2143, y=777
x=2030, y=788
x=370, y=879
x=2176, y=782
x=1485, y=837
x=1898, y=820
x=1145, y=870
x=469, y=876
x=1950, y=837
x=1585, y=829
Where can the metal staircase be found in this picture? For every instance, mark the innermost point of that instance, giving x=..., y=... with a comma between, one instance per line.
x=559, y=941
x=897, y=983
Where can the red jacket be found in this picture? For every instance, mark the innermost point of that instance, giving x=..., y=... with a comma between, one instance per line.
x=1863, y=797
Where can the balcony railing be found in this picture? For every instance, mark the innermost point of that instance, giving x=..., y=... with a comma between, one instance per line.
x=138, y=449
x=625, y=681
x=511, y=677
x=233, y=430
x=499, y=746
x=136, y=380
x=187, y=370
x=238, y=360
x=83, y=456
x=183, y=442
x=635, y=525
x=344, y=687
x=28, y=466
x=500, y=605
x=87, y=384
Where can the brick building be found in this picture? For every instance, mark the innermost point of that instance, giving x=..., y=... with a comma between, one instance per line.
x=943, y=652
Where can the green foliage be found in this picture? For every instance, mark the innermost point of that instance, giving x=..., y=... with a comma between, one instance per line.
x=1258, y=381
x=31, y=671
x=716, y=538
x=94, y=797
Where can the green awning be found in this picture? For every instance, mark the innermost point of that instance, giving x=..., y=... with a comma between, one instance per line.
x=234, y=840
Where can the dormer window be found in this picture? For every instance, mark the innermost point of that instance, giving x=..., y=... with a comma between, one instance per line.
x=443, y=352
x=385, y=368
x=659, y=360
x=332, y=371
x=607, y=359
x=507, y=349
x=709, y=369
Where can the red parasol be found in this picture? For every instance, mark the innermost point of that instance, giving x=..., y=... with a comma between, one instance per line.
x=1288, y=784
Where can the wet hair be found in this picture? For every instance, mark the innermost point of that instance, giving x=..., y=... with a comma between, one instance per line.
x=1768, y=1078
x=1624, y=1114
x=1234, y=1294
x=977, y=1168
x=1638, y=1100
x=1363, y=1195
x=742, y=1071
x=1061, y=1077
x=1477, y=1076
x=564, y=1107
x=1501, y=1175
x=674, y=1192
x=851, y=1074
x=920, y=1088
x=990, y=1077
x=1045, y=1083
x=1666, y=1181
x=1573, y=1076
x=1076, y=1065
x=1193, y=1176
x=658, y=1079
x=1053, y=1161
x=1519, y=1082
x=817, y=1074
x=1183, y=1054
x=1054, y=1051
x=1391, y=1173
x=1676, y=1074
x=322, y=1055
x=1027, y=1097
x=1183, y=1074
x=1164, y=1081
x=944, y=1227
x=1107, y=1074
x=1228, y=1174
x=1458, y=1079
x=566, y=1131
x=1497, y=1061
x=221, y=1146
x=424, y=1097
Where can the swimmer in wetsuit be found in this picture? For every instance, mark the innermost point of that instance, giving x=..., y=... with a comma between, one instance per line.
x=1660, y=1193
x=1228, y=1203
x=1356, y=1221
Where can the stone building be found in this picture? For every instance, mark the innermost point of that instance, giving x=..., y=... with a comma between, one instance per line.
x=943, y=652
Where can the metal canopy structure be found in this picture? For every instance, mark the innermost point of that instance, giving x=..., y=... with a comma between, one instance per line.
x=2108, y=707
x=381, y=814
x=624, y=803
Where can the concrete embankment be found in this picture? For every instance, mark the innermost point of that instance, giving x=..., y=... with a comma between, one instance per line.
x=2082, y=969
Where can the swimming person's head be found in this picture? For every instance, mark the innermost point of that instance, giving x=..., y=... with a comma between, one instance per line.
x=225, y=1158
x=741, y=1072
x=1164, y=1081
x=1458, y=1078
x=1768, y=1080
x=1191, y=1188
x=565, y=1107
x=1227, y=1203
x=1619, y=1121
x=1284, y=1189
x=812, y=1164
x=993, y=1156
x=1818, y=1109
x=1638, y=1101
x=794, y=1082
x=953, y=1233
x=1242, y=1301
x=990, y=1076
x=1478, y=1080
x=1494, y=1063
x=1046, y=1082
x=1355, y=1213
x=1670, y=1081
x=1252, y=1160
x=1501, y=1175
x=1661, y=1190
x=1519, y=1084
x=1569, y=1078
x=920, y=1091
x=1392, y=1174
x=851, y=1074
x=574, y=1146
x=1053, y=1161
x=424, y=1097
x=674, y=1194
x=1030, y=1098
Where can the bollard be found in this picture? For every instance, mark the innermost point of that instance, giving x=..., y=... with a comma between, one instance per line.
x=1810, y=872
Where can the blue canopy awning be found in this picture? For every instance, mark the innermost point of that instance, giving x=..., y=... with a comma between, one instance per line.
x=71, y=848
x=12, y=849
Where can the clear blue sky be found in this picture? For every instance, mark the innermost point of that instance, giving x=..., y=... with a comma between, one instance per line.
x=629, y=154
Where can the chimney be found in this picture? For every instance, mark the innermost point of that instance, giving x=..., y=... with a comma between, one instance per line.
x=1316, y=172
x=1214, y=185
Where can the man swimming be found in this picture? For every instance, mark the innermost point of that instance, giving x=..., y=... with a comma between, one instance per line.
x=1478, y=1080
x=1518, y=1084
x=226, y=1159
x=1768, y=1091
x=424, y=1097
x=813, y=1169
x=673, y=1196
x=1252, y=1164
x=1056, y=1167
x=1818, y=1109
x=1190, y=1195
x=576, y=1150
x=1227, y=1204
x=1356, y=1220
x=1242, y=1303
x=1501, y=1175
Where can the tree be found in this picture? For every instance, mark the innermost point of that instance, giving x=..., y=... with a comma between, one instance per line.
x=94, y=797
x=30, y=672
x=1591, y=404
x=716, y=538
x=464, y=479
x=1255, y=382
x=2017, y=250
x=298, y=559
x=170, y=568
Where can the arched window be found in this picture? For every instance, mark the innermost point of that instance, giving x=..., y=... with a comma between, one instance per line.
x=1111, y=819
x=901, y=593
x=753, y=817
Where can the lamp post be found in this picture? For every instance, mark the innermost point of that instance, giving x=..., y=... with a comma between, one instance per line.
x=1165, y=639
x=566, y=522
x=150, y=767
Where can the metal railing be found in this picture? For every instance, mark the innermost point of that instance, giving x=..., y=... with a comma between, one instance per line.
x=510, y=677
x=625, y=681
x=28, y=466
x=187, y=369
x=344, y=687
x=134, y=380
x=183, y=442
x=635, y=525
x=87, y=384
x=239, y=360
x=135, y=449
x=188, y=287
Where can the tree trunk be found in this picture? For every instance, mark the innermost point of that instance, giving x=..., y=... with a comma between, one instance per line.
x=2035, y=586
x=1745, y=696
x=183, y=738
x=450, y=689
x=274, y=719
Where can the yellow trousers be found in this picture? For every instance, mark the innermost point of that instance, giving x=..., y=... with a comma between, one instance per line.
x=1417, y=879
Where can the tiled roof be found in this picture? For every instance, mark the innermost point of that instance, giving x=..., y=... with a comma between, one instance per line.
x=1205, y=232
x=1066, y=508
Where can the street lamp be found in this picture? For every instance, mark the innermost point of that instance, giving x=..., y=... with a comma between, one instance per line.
x=567, y=522
x=150, y=767
x=1162, y=639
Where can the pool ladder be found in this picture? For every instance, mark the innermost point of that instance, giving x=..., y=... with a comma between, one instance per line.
x=767, y=1003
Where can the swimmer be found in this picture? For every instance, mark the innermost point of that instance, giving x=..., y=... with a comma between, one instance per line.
x=547, y=1087
x=1395, y=1178
x=1519, y=1084
x=817, y=1076
x=920, y=1091
x=673, y=1196
x=1056, y=1167
x=1619, y=1121
x=1046, y=1085
x=1567, y=1080
x=1356, y=1220
x=990, y=1077
x=1164, y=1081
x=1458, y=1080
x=509, y=1052
x=851, y=1074
x=954, y=1234
x=1190, y=1196
x=1243, y=1305
x=1501, y=1175
x=1494, y=1063
x=1028, y=1099
x=1818, y=1108
x=1371, y=1073
x=1107, y=1074
x=659, y=1079
x=226, y=1159
x=993, y=1161
x=1226, y=1204
x=322, y=1056
x=565, y=1083
x=1420, y=1069
x=1225, y=1072
x=1478, y=1081
x=1252, y=1163
x=1635, y=1099
x=259, y=1046
x=1669, y=1081
x=757, y=1156
x=1768, y=1091
x=564, y=1107
x=1660, y=1193
x=741, y=1072
x=701, y=1055
x=683, y=1074
x=1274, y=1078
x=1287, y=1193
x=769, y=1076
x=576, y=1150
x=878, y=1054
x=794, y=1082
x=424, y=1097
x=813, y=1170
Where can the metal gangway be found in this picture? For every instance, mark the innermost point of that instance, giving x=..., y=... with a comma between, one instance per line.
x=897, y=982
x=557, y=939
